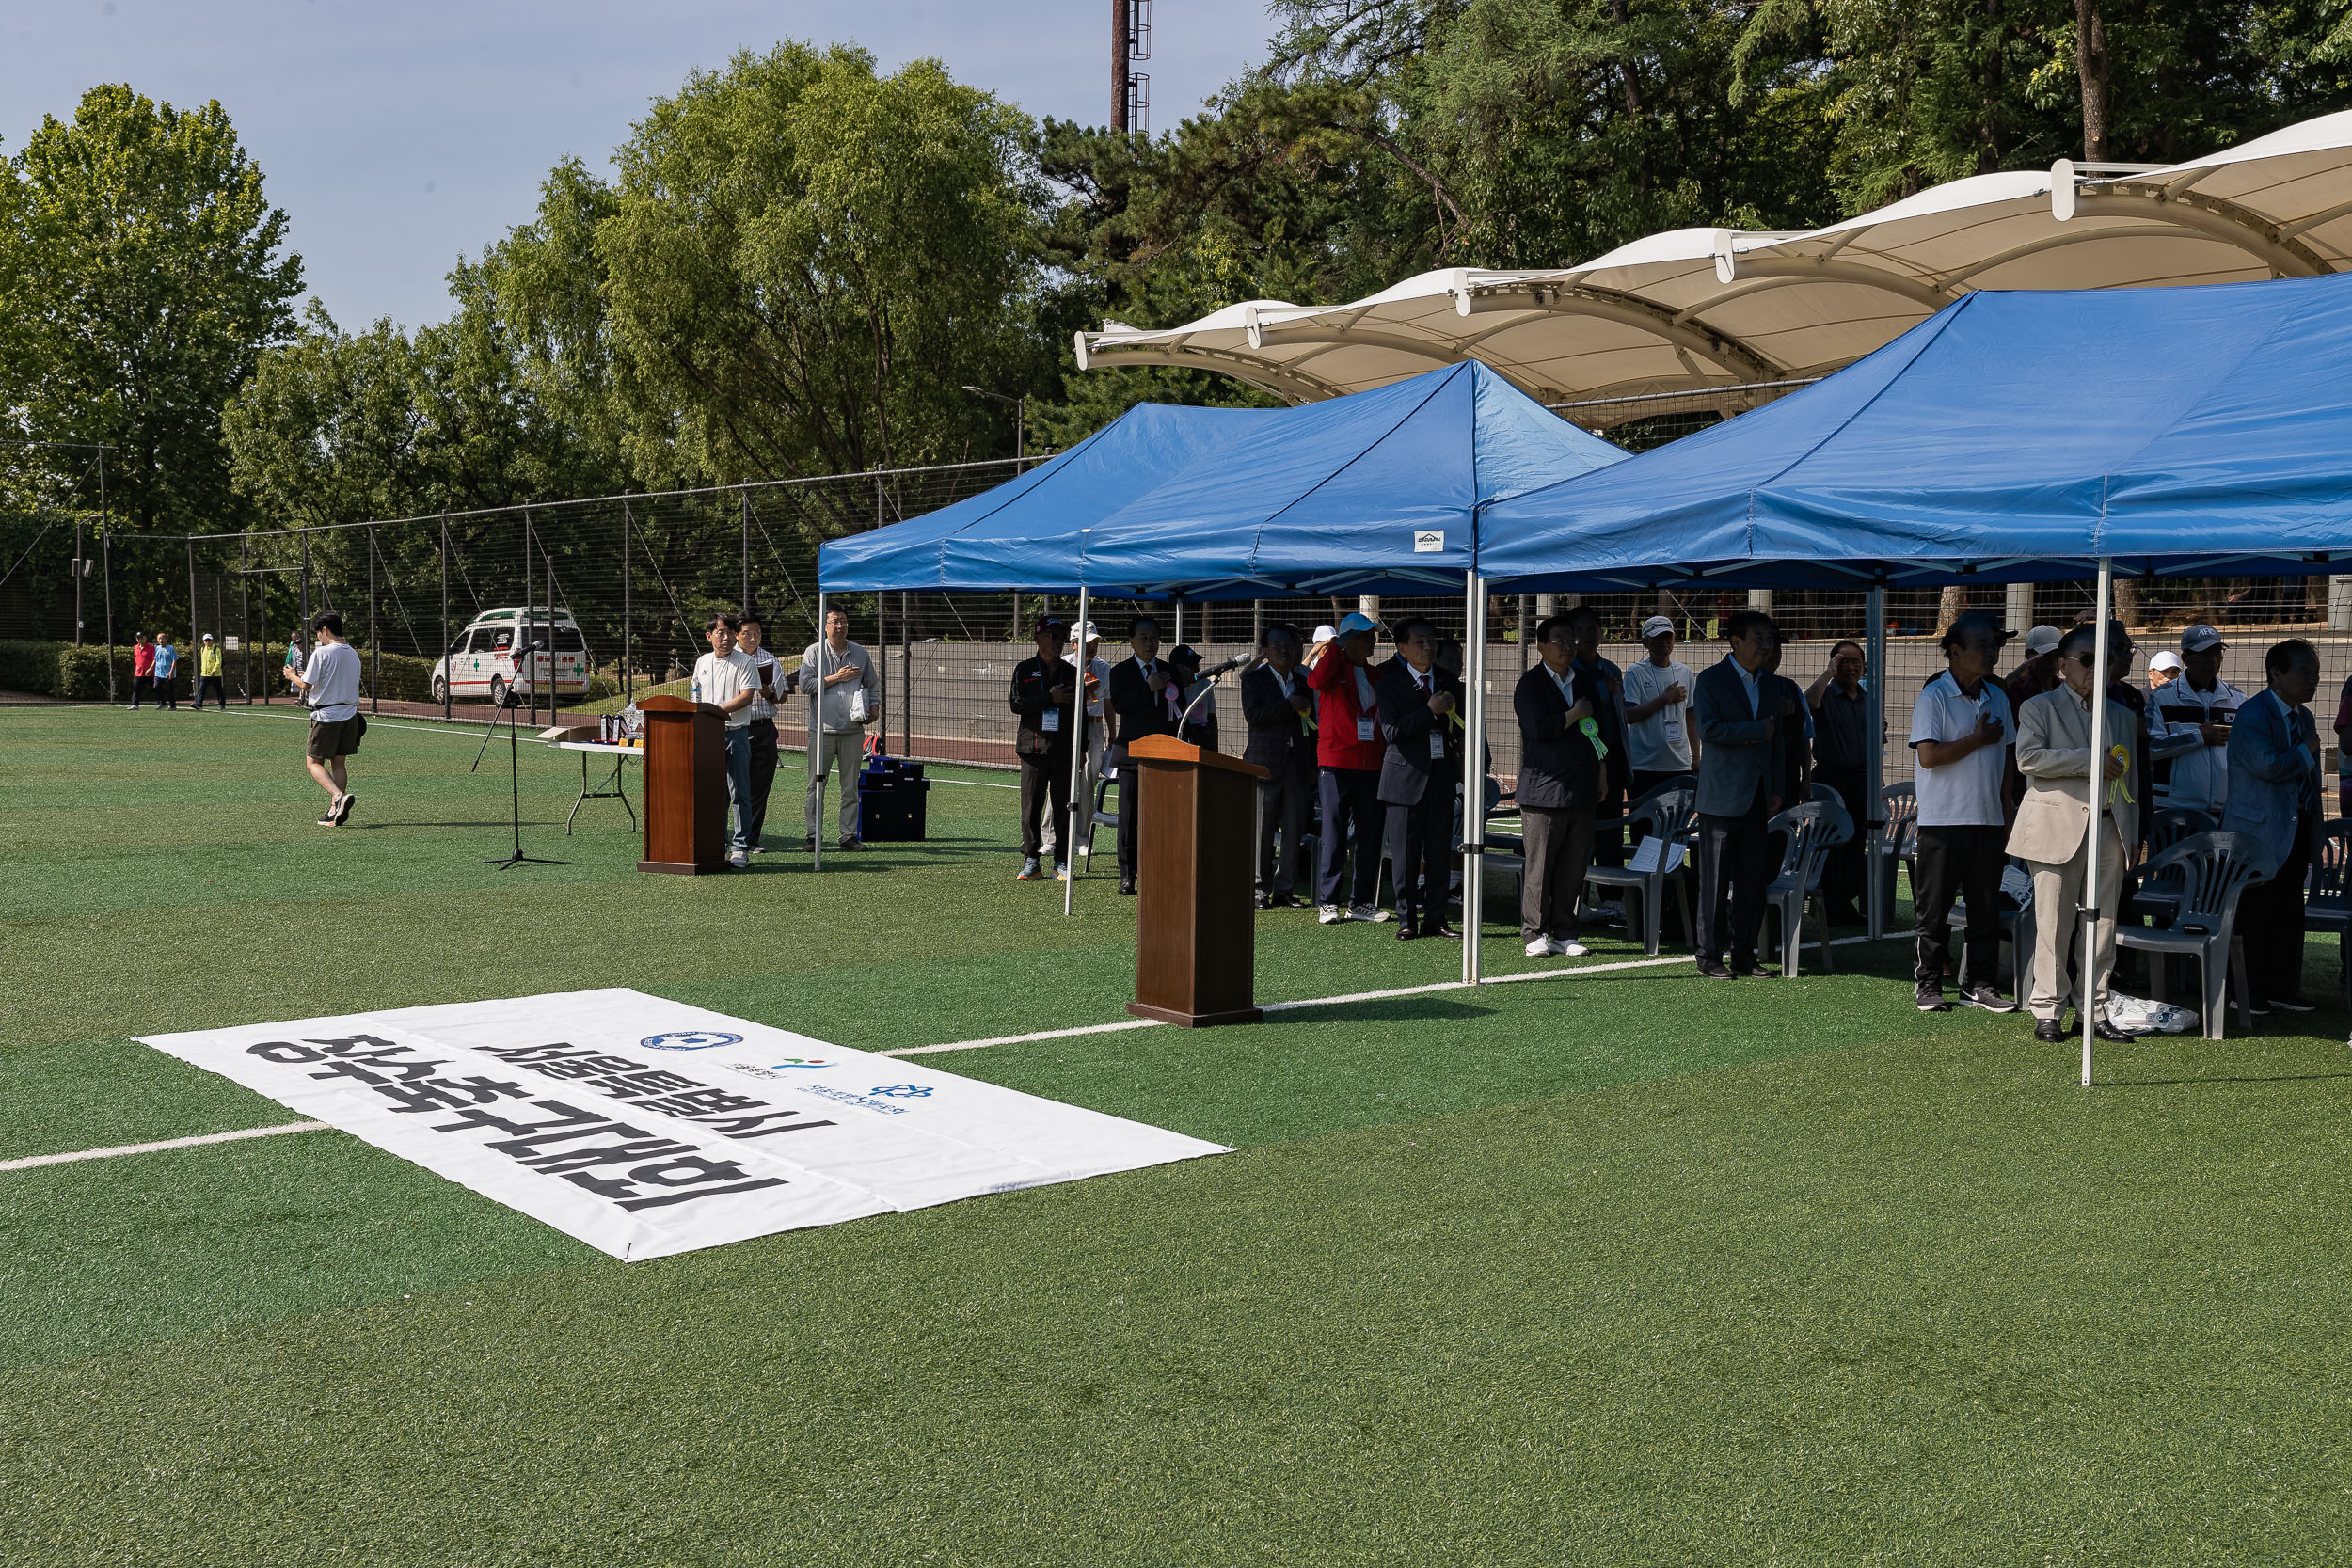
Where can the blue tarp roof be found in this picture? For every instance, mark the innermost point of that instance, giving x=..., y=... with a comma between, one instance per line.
x=2010, y=437
x=1369, y=493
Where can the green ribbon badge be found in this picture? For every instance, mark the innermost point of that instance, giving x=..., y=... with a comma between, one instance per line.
x=1591, y=728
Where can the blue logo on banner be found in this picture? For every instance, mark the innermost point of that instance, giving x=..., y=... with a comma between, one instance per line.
x=905, y=1091
x=690, y=1040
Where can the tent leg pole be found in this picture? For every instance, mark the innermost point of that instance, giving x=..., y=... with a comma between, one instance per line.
x=816, y=733
x=1080, y=808
x=1874, y=775
x=2086, y=981
x=1474, y=773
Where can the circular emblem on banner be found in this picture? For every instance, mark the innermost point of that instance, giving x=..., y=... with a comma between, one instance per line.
x=906, y=1091
x=690, y=1040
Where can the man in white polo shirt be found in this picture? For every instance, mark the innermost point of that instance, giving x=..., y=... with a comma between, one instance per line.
x=1960, y=731
x=1661, y=721
x=329, y=683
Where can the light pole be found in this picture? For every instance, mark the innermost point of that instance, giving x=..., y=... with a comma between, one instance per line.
x=1020, y=418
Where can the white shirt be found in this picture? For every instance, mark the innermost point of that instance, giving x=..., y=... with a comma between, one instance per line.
x=1101, y=670
x=1661, y=743
x=1967, y=793
x=1754, y=682
x=763, y=668
x=722, y=680
x=333, y=682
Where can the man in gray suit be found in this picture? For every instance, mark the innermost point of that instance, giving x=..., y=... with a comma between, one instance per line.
x=1420, y=710
x=2274, y=797
x=2052, y=831
x=1739, y=779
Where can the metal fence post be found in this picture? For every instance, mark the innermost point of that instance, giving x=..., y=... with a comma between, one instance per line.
x=106, y=548
x=628, y=688
x=244, y=609
x=746, y=608
x=906, y=676
x=376, y=635
x=195, y=676
x=77, y=582
x=449, y=668
x=525, y=664
x=1874, y=774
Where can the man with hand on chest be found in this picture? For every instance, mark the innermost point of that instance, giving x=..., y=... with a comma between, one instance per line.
x=1279, y=711
x=1350, y=752
x=1044, y=694
x=1420, y=710
x=1147, y=699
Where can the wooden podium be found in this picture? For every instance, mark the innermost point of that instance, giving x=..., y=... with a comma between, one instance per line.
x=686, y=787
x=1196, y=932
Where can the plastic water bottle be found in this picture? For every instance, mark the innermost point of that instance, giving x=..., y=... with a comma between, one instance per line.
x=695, y=689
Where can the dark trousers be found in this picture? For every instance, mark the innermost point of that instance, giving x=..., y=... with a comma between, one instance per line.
x=1283, y=802
x=2271, y=918
x=1418, y=837
x=763, y=777
x=1843, y=874
x=1735, y=868
x=1045, y=786
x=1609, y=842
x=1130, y=778
x=1645, y=781
x=210, y=683
x=1351, y=801
x=1558, y=846
x=1965, y=862
x=168, y=691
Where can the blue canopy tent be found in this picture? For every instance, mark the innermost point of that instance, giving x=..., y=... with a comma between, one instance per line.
x=1377, y=492
x=2010, y=438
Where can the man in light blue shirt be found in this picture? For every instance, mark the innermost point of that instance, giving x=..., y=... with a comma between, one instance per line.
x=167, y=669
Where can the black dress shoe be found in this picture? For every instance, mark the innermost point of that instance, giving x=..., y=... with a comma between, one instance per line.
x=1264, y=902
x=1442, y=929
x=2046, y=1030
x=1713, y=969
x=1127, y=888
x=1406, y=933
x=2102, y=1030
x=1755, y=972
x=1282, y=901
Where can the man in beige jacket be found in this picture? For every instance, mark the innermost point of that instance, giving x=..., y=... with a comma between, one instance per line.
x=2052, y=833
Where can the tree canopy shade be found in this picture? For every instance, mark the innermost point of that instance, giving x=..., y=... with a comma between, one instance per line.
x=2012, y=437
x=1376, y=493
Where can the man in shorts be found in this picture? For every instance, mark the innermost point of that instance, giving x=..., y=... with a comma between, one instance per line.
x=329, y=685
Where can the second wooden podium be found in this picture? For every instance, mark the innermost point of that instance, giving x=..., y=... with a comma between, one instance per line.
x=686, y=787
x=1195, y=932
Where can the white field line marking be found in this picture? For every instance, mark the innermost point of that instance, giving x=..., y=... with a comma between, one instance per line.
x=167, y=1143
x=1336, y=1000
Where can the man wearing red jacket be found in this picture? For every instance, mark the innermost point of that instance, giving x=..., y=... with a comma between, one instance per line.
x=1349, y=751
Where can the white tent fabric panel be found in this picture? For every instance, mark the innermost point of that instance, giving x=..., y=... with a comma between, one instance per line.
x=1692, y=310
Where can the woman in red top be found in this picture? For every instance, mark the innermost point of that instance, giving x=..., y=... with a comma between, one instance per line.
x=1349, y=749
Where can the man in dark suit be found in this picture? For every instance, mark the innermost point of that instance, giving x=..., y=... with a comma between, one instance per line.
x=1279, y=711
x=1043, y=690
x=1742, y=767
x=1420, y=718
x=1144, y=698
x=1562, y=781
x=2274, y=798
x=1608, y=684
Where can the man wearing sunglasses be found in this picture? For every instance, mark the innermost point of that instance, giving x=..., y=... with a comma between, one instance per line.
x=2067, y=792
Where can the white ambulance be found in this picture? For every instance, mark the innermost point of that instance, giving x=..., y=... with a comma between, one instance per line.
x=482, y=661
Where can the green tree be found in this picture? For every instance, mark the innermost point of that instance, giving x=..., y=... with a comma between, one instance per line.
x=140, y=280
x=805, y=261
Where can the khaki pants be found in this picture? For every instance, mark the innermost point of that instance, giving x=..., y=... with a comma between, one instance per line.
x=2057, y=895
x=1087, y=781
x=846, y=755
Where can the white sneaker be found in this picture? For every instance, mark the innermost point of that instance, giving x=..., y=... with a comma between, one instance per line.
x=1540, y=949
x=740, y=860
x=1329, y=914
x=1370, y=913
x=1569, y=949
x=1085, y=853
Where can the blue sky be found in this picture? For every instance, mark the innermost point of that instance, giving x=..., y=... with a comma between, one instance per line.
x=399, y=134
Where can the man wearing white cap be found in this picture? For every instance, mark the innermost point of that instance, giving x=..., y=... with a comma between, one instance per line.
x=2164, y=669
x=2190, y=725
x=1661, y=726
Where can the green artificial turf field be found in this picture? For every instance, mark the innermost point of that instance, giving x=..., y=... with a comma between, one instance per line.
x=1624, y=1269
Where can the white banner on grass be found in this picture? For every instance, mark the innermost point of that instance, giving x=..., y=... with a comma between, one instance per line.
x=646, y=1128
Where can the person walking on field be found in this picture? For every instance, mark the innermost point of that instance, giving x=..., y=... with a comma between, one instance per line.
x=850, y=698
x=142, y=668
x=208, y=675
x=2053, y=827
x=329, y=683
x=167, y=671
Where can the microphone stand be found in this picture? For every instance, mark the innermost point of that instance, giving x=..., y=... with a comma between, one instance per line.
x=1231, y=665
x=509, y=706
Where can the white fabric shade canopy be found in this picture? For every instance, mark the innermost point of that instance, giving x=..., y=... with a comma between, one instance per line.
x=1696, y=309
